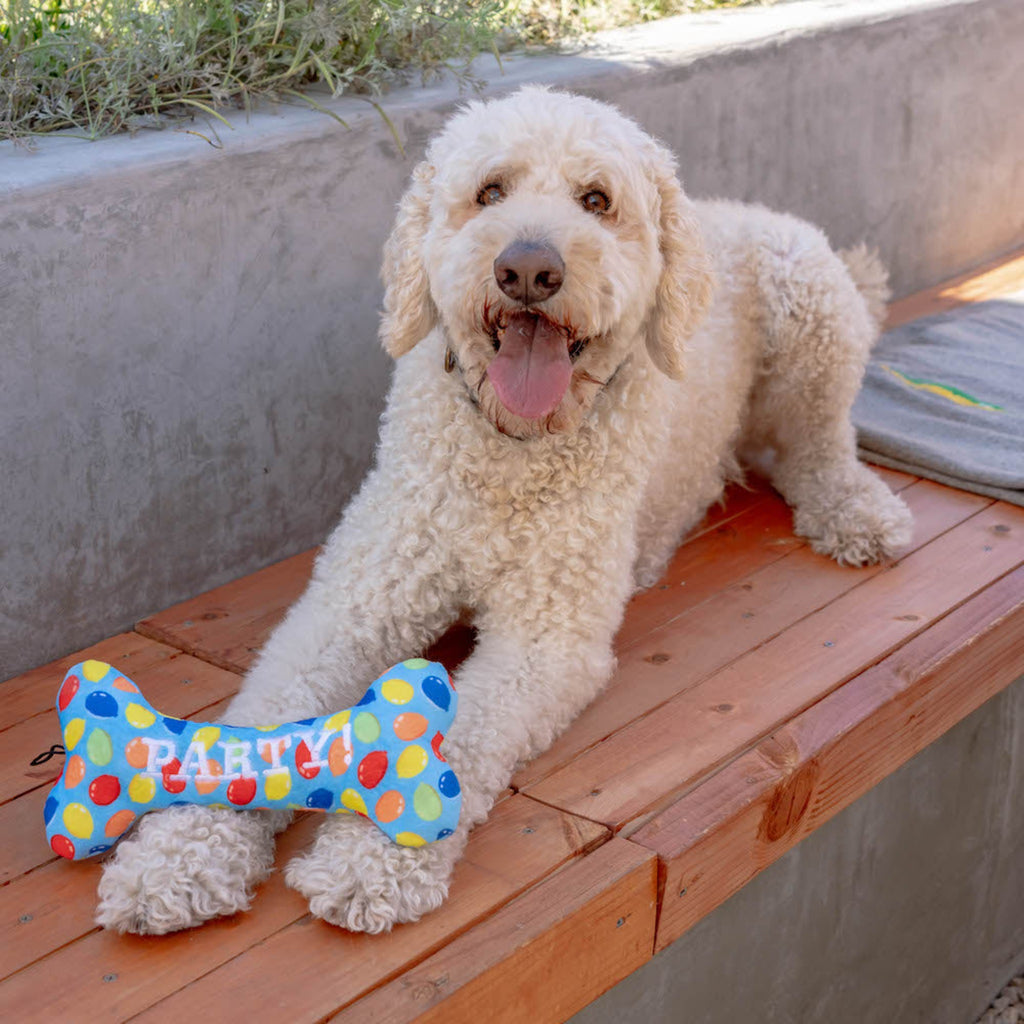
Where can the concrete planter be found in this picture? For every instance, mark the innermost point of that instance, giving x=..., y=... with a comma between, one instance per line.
x=191, y=382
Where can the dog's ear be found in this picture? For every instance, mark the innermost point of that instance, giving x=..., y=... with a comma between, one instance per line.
x=684, y=289
x=409, y=313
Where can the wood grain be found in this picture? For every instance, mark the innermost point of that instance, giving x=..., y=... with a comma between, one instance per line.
x=35, y=692
x=647, y=765
x=747, y=613
x=723, y=833
x=322, y=966
x=227, y=626
x=539, y=959
x=59, y=902
x=172, y=682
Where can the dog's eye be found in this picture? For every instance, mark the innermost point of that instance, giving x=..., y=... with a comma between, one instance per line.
x=493, y=192
x=596, y=202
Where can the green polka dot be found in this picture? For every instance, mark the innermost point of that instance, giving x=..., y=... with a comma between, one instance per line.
x=426, y=802
x=99, y=748
x=366, y=727
x=416, y=663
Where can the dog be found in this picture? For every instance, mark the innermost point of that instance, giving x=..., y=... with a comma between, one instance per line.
x=585, y=356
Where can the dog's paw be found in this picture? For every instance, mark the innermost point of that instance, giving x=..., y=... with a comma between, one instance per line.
x=183, y=866
x=356, y=878
x=870, y=525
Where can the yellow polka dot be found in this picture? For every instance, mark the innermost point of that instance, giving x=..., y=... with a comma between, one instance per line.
x=94, y=671
x=140, y=717
x=207, y=735
x=396, y=691
x=353, y=801
x=78, y=821
x=410, y=839
x=73, y=732
x=277, y=784
x=265, y=728
x=338, y=721
x=141, y=789
x=411, y=762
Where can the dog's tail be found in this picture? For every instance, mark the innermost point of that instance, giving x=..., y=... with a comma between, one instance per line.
x=871, y=278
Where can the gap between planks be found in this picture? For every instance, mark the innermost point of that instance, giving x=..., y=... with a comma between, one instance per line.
x=727, y=830
x=645, y=766
x=747, y=614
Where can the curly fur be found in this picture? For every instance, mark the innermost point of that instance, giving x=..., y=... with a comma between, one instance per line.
x=711, y=329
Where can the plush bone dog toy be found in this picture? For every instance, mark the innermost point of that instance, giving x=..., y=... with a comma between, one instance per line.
x=381, y=759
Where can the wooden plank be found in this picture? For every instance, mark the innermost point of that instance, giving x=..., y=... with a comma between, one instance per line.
x=228, y=625
x=723, y=550
x=24, y=837
x=747, y=613
x=542, y=958
x=34, y=692
x=323, y=966
x=55, y=906
x=723, y=833
x=647, y=765
x=1001, y=276
x=172, y=682
x=706, y=565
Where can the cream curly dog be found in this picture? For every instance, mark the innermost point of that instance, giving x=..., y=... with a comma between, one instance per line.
x=582, y=354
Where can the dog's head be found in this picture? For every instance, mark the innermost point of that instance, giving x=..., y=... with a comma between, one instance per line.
x=549, y=236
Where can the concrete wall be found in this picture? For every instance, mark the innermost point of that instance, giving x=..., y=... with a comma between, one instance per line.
x=190, y=381
x=906, y=907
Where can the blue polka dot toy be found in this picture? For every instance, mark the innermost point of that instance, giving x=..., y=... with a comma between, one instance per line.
x=381, y=759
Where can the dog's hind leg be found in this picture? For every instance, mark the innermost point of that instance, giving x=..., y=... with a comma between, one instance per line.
x=818, y=332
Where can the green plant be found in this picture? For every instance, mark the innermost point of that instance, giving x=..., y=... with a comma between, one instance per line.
x=103, y=66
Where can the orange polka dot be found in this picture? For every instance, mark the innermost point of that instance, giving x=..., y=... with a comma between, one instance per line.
x=205, y=786
x=389, y=806
x=74, y=771
x=137, y=753
x=118, y=823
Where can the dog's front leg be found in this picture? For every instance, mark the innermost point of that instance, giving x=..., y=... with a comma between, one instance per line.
x=381, y=592
x=515, y=695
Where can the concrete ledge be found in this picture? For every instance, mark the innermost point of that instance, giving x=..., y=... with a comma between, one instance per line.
x=191, y=383
x=908, y=906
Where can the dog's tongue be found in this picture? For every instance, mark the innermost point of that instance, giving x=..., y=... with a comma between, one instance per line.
x=532, y=368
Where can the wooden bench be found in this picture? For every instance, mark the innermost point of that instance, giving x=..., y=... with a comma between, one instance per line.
x=760, y=690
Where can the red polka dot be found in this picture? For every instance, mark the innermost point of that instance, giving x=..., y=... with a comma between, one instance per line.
x=435, y=746
x=173, y=785
x=67, y=692
x=63, y=847
x=104, y=790
x=302, y=759
x=372, y=768
x=241, y=791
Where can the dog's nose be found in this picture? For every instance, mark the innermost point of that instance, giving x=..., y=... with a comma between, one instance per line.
x=529, y=272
